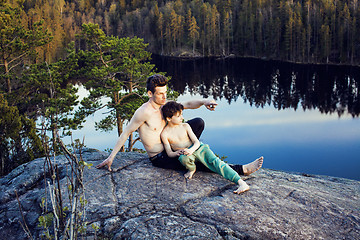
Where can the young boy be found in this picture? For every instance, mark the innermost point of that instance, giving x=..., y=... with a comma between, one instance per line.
x=180, y=141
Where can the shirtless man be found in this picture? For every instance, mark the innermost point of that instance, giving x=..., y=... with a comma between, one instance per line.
x=149, y=122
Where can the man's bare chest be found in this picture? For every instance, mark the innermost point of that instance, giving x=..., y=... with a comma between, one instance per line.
x=155, y=124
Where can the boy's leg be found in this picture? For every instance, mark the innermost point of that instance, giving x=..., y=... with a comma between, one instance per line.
x=189, y=163
x=197, y=125
x=209, y=159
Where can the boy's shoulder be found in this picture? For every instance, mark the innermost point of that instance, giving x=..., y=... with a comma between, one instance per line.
x=184, y=125
x=167, y=127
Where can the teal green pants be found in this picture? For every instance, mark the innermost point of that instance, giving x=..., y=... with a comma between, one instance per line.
x=204, y=155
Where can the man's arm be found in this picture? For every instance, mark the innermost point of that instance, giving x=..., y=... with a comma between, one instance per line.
x=136, y=121
x=194, y=104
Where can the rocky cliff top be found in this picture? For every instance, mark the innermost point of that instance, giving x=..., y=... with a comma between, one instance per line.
x=139, y=201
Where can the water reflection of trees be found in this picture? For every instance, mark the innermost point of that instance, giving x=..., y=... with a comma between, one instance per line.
x=330, y=89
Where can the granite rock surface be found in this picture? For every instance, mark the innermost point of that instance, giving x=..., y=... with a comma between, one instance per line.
x=139, y=201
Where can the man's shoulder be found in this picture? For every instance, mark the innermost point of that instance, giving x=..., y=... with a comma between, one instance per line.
x=144, y=110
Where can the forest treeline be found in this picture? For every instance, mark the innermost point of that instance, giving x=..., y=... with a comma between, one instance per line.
x=321, y=31
x=39, y=103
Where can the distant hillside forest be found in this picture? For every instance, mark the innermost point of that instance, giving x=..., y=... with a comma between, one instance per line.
x=308, y=31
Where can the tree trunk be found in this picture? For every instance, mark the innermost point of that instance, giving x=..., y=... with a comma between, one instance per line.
x=130, y=142
x=119, y=123
x=2, y=165
x=53, y=131
x=8, y=82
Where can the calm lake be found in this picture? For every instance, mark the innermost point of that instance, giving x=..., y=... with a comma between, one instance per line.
x=301, y=118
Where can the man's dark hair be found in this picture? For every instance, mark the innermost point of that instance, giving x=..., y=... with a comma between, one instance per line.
x=154, y=81
x=171, y=108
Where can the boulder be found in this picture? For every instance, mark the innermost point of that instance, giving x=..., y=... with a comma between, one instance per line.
x=139, y=201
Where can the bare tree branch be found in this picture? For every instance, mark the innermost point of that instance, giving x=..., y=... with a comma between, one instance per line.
x=26, y=228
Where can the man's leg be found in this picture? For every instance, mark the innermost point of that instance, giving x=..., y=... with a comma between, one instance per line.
x=162, y=160
x=197, y=125
x=237, y=168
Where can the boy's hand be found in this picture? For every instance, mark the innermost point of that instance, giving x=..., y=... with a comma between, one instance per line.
x=187, y=151
x=179, y=152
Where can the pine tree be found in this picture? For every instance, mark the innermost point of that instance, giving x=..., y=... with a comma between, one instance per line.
x=193, y=32
x=215, y=27
x=19, y=142
x=118, y=69
x=325, y=42
x=16, y=41
x=289, y=37
x=174, y=28
x=227, y=30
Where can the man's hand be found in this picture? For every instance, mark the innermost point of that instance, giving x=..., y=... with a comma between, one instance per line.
x=107, y=162
x=210, y=104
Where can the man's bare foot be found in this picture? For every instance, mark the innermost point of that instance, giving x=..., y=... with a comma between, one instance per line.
x=253, y=166
x=107, y=162
x=243, y=187
x=189, y=174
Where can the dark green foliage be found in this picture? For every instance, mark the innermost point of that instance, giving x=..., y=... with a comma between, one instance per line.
x=300, y=31
x=50, y=96
x=290, y=30
x=113, y=68
x=117, y=68
x=44, y=95
x=19, y=142
x=17, y=41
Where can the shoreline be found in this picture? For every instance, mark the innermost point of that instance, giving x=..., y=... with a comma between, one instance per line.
x=189, y=57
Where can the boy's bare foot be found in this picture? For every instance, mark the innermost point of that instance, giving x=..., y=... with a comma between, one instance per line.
x=189, y=174
x=253, y=166
x=243, y=187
